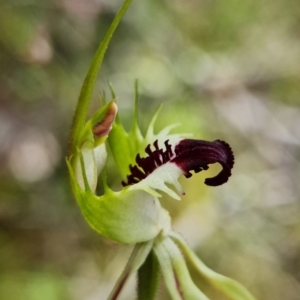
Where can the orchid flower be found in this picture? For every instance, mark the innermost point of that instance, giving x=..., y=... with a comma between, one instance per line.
x=134, y=215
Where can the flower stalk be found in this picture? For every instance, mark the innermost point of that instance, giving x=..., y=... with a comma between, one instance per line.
x=137, y=258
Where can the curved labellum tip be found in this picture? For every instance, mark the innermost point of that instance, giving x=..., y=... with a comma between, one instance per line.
x=165, y=166
x=195, y=155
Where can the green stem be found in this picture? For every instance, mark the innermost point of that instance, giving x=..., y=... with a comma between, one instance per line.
x=137, y=258
x=90, y=80
x=148, y=277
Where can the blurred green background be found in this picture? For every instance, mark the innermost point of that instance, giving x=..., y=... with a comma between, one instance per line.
x=224, y=69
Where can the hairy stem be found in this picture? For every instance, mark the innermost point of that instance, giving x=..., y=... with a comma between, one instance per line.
x=137, y=258
x=90, y=80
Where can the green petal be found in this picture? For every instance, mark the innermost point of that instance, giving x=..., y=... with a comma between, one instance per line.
x=175, y=271
x=125, y=146
x=229, y=287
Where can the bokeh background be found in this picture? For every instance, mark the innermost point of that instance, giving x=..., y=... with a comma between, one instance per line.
x=223, y=69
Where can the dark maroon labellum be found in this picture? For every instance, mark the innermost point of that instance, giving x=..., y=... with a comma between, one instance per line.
x=190, y=155
x=195, y=155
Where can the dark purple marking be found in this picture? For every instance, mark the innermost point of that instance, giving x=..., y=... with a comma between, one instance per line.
x=147, y=165
x=120, y=287
x=178, y=285
x=190, y=155
x=195, y=155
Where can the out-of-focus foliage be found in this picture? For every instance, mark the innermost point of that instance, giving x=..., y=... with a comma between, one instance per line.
x=225, y=69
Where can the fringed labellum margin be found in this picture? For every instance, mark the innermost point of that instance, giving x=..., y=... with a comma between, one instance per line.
x=165, y=166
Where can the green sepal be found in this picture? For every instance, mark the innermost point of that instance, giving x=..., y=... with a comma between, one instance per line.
x=125, y=145
x=227, y=286
x=123, y=148
x=175, y=272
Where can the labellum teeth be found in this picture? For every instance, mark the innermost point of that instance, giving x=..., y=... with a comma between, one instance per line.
x=190, y=155
x=150, y=163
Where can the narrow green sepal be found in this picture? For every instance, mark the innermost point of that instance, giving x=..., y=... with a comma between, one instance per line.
x=227, y=286
x=112, y=90
x=102, y=98
x=150, y=130
x=185, y=284
x=135, y=126
x=175, y=272
x=119, y=142
x=128, y=143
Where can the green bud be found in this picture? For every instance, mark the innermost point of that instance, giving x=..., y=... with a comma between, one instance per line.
x=91, y=146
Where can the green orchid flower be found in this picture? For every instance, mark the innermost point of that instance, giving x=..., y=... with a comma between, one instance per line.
x=134, y=215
